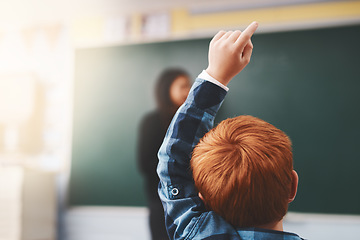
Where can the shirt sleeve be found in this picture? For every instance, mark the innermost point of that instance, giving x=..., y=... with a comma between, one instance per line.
x=204, y=75
x=177, y=192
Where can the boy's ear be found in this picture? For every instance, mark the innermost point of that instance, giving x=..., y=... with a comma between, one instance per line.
x=201, y=197
x=294, y=185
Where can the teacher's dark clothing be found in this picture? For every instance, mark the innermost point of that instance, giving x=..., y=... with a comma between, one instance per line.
x=152, y=131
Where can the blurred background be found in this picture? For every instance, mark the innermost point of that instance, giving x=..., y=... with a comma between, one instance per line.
x=77, y=76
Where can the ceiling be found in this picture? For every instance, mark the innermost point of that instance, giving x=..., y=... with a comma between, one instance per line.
x=30, y=11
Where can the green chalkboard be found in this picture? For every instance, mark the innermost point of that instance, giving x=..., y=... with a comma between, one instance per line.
x=307, y=83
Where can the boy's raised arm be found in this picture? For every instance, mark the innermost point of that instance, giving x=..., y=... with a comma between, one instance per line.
x=229, y=53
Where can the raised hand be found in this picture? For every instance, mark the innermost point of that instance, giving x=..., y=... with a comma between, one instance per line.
x=229, y=53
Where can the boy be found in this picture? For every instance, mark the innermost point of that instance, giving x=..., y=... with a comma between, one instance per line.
x=242, y=174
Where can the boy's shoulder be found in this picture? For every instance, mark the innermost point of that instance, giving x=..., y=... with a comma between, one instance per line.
x=211, y=226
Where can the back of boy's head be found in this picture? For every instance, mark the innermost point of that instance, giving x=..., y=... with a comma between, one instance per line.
x=243, y=170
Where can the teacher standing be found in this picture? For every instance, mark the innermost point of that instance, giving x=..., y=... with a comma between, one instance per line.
x=171, y=91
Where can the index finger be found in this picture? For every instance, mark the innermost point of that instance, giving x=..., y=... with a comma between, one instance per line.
x=246, y=35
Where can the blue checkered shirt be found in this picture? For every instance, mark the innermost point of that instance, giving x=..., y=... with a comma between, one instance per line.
x=185, y=214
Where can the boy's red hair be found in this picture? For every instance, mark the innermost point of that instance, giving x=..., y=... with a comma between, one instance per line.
x=243, y=169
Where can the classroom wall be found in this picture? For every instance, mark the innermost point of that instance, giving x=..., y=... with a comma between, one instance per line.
x=304, y=82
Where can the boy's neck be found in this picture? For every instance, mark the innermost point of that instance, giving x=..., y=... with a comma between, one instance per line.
x=277, y=226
